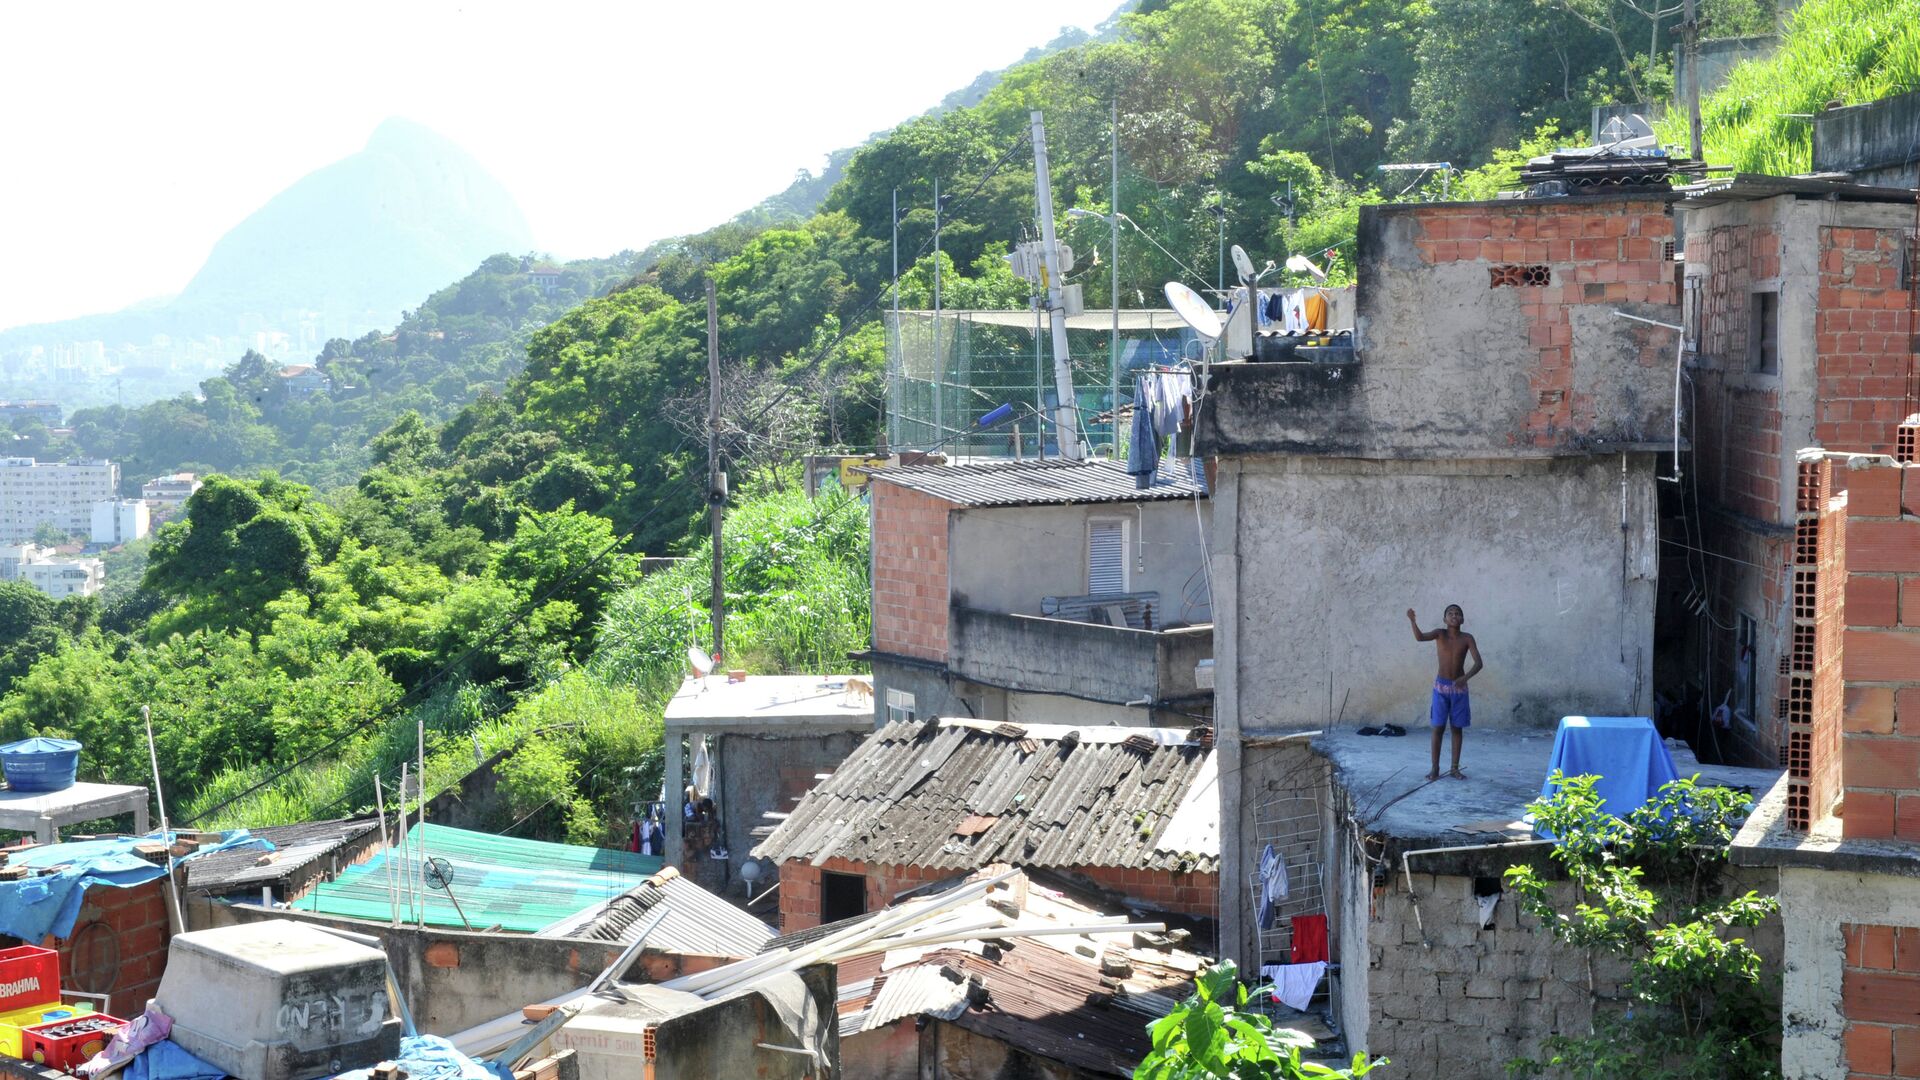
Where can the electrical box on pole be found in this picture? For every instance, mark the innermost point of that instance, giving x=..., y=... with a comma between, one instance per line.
x=1066, y=424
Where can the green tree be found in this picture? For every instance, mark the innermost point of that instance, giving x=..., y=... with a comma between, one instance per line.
x=1649, y=889
x=241, y=544
x=29, y=630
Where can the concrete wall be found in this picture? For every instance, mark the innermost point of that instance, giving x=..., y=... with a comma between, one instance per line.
x=1455, y=363
x=935, y=691
x=1322, y=558
x=1843, y=1005
x=1876, y=142
x=1110, y=664
x=1716, y=57
x=1006, y=558
x=958, y=1054
x=1454, y=999
x=720, y=1040
x=759, y=773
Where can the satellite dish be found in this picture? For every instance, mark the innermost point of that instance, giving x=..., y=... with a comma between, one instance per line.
x=1194, y=310
x=439, y=873
x=701, y=662
x=1300, y=264
x=1241, y=264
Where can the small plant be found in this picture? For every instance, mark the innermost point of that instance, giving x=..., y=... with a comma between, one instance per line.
x=1213, y=1035
x=1646, y=889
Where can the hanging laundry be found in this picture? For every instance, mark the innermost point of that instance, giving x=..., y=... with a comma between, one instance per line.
x=1309, y=938
x=1315, y=307
x=1276, y=305
x=1273, y=885
x=1294, y=984
x=1160, y=404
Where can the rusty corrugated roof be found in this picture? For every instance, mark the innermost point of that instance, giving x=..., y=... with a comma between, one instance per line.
x=1057, y=797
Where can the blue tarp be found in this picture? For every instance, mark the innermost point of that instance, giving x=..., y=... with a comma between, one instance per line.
x=167, y=1060
x=1625, y=752
x=34, y=907
x=430, y=1057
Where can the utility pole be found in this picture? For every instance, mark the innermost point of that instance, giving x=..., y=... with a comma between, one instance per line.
x=896, y=364
x=716, y=480
x=1066, y=426
x=939, y=361
x=1692, y=28
x=1113, y=269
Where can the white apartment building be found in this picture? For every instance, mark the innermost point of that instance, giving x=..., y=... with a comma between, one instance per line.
x=170, y=492
x=118, y=521
x=34, y=493
x=39, y=567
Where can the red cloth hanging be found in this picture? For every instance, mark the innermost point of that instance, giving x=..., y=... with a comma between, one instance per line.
x=1309, y=939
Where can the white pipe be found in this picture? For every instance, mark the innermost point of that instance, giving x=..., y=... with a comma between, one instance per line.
x=420, y=747
x=1406, y=874
x=386, y=850
x=166, y=831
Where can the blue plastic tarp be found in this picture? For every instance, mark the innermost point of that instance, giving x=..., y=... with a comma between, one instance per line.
x=1625, y=752
x=168, y=1060
x=32, y=908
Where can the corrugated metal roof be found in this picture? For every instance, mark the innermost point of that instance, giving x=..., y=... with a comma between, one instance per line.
x=929, y=989
x=696, y=922
x=1036, y=483
x=294, y=846
x=1076, y=799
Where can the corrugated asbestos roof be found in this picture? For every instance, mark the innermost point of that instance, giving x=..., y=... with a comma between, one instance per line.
x=1059, y=798
x=1741, y=187
x=294, y=846
x=930, y=989
x=696, y=922
x=1036, y=483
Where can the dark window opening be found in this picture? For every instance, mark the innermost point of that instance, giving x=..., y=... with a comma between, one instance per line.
x=1519, y=276
x=1763, y=334
x=842, y=896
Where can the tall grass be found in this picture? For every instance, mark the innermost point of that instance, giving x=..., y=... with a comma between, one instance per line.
x=1852, y=51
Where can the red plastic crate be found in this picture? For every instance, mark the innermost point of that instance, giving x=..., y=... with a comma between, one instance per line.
x=67, y=1044
x=29, y=975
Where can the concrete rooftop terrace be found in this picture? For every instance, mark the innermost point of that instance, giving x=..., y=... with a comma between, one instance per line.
x=767, y=702
x=1387, y=779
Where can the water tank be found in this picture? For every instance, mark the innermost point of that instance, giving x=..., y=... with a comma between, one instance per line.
x=40, y=764
x=278, y=1000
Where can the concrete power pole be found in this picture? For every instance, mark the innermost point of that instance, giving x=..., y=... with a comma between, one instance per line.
x=1066, y=424
x=1692, y=27
x=716, y=480
x=1113, y=291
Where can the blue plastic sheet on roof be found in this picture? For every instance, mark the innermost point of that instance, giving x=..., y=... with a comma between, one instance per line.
x=1625, y=752
x=34, y=907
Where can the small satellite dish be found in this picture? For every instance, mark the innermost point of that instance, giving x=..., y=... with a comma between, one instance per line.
x=1241, y=264
x=1193, y=309
x=701, y=662
x=439, y=873
x=1300, y=264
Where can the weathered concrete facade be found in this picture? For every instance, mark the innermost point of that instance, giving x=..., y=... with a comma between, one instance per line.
x=958, y=627
x=1874, y=143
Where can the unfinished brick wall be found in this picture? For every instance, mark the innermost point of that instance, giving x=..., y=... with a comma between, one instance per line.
x=1880, y=997
x=910, y=588
x=118, y=945
x=1188, y=893
x=1862, y=330
x=1573, y=255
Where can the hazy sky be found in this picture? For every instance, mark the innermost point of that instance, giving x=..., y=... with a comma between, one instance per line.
x=135, y=134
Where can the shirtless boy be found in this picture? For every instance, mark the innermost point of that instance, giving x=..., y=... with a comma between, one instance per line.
x=1450, y=707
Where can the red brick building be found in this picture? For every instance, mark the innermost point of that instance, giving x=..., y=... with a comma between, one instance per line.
x=1799, y=300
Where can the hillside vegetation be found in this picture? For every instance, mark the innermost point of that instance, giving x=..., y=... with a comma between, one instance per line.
x=452, y=543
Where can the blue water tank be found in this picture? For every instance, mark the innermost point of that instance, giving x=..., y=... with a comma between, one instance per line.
x=40, y=764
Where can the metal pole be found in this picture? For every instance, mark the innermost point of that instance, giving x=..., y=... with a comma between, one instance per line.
x=1693, y=80
x=1113, y=258
x=716, y=480
x=896, y=369
x=386, y=851
x=939, y=361
x=1067, y=426
x=420, y=867
x=166, y=830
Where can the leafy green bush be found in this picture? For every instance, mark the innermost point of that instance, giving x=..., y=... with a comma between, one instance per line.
x=1213, y=1035
x=1647, y=890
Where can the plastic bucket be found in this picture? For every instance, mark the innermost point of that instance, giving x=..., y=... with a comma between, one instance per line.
x=40, y=764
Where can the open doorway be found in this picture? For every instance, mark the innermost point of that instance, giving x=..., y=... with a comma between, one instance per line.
x=842, y=896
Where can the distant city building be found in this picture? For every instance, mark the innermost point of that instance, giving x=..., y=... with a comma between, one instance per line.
x=39, y=567
x=61, y=494
x=169, y=492
x=46, y=412
x=117, y=521
x=300, y=380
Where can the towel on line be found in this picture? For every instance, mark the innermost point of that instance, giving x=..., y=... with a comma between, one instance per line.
x=1294, y=984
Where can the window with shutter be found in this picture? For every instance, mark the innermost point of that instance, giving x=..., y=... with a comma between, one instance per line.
x=1107, y=555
